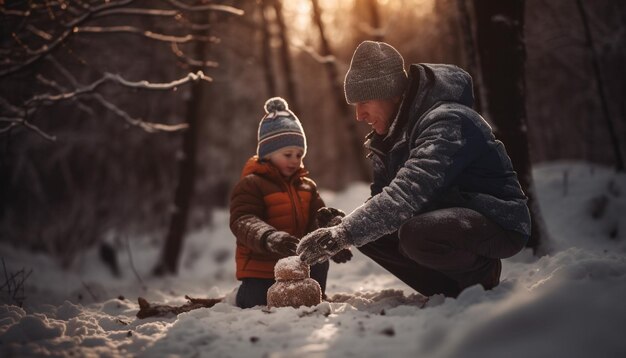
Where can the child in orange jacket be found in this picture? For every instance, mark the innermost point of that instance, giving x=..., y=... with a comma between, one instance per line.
x=273, y=205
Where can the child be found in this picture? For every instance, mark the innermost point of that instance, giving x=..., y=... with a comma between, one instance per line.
x=273, y=205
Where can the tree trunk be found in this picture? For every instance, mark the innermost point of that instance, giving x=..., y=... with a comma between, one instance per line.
x=292, y=95
x=600, y=86
x=337, y=92
x=502, y=55
x=170, y=255
x=375, y=20
x=266, y=52
x=469, y=48
x=368, y=23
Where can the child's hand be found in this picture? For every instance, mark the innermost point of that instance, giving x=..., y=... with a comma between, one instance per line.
x=342, y=256
x=282, y=243
x=327, y=216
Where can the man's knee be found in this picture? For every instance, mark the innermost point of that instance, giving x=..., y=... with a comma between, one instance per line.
x=384, y=243
x=414, y=235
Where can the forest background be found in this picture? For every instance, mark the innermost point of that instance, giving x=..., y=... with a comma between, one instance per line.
x=89, y=154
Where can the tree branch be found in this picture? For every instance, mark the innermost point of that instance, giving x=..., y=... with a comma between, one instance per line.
x=192, y=62
x=14, y=122
x=13, y=109
x=37, y=130
x=314, y=54
x=138, y=11
x=46, y=49
x=145, y=33
x=149, y=127
x=51, y=83
x=14, y=12
x=110, y=77
x=211, y=7
x=44, y=35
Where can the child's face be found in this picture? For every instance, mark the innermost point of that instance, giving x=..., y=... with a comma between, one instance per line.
x=288, y=160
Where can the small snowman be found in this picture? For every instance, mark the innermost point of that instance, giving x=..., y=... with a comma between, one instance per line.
x=294, y=286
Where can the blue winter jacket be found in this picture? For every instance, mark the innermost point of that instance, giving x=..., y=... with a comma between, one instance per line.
x=438, y=153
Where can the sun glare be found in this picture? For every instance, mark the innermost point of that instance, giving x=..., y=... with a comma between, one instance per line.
x=299, y=16
x=300, y=19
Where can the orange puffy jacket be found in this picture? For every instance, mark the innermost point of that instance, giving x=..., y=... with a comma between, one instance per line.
x=262, y=202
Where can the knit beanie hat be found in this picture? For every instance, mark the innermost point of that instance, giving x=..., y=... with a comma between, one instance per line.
x=376, y=72
x=279, y=128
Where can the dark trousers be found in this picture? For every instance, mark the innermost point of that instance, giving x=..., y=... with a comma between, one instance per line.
x=253, y=291
x=445, y=251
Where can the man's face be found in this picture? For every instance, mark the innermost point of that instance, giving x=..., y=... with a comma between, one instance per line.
x=378, y=113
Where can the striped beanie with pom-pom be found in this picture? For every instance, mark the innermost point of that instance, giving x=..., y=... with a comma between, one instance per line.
x=279, y=128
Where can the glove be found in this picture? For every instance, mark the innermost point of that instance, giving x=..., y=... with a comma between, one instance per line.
x=328, y=217
x=322, y=244
x=282, y=243
x=342, y=256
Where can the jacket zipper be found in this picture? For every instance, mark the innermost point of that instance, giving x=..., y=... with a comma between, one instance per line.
x=294, y=210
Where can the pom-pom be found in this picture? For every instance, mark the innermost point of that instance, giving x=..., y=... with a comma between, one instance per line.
x=275, y=104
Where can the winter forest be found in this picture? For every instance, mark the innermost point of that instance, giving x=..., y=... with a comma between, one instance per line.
x=125, y=125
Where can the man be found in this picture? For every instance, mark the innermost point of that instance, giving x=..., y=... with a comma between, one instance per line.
x=445, y=203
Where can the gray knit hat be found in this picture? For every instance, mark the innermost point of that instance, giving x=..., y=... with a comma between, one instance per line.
x=376, y=72
x=279, y=128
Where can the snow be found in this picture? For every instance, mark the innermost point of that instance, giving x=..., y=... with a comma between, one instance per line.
x=566, y=303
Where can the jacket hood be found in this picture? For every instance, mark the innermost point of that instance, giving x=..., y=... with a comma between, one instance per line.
x=440, y=83
x=430, y=84
x=255, y=166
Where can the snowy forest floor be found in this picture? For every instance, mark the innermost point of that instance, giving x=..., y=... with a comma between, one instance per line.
x=567, y=302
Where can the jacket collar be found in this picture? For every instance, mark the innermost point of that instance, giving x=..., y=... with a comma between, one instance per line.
x=264, y=168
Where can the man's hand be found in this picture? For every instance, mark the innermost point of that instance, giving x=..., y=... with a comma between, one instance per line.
x=282, y=243
x=328, y=217
x=321, y=244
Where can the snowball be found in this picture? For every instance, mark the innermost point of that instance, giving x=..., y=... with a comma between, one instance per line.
x=291, y=268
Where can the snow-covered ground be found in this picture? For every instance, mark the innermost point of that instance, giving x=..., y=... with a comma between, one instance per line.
x=569, y=302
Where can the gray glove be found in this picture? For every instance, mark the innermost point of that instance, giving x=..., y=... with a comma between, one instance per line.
x=326, y=217
x=321, y=244
x=282, y=243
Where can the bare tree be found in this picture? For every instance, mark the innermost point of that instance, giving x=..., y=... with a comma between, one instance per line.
x=268, y=70
x=469, y=47
x=330, y=63
x=39, y=30
x=285, y=56
x=370, y=25
x=499, y=29
x=38, y=45
x=620, y=164
x=174, y=239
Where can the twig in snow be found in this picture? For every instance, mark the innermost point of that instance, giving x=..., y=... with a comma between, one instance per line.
x=93, y=295
x=150, y=310
x=13, y=285
x=132, y=265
